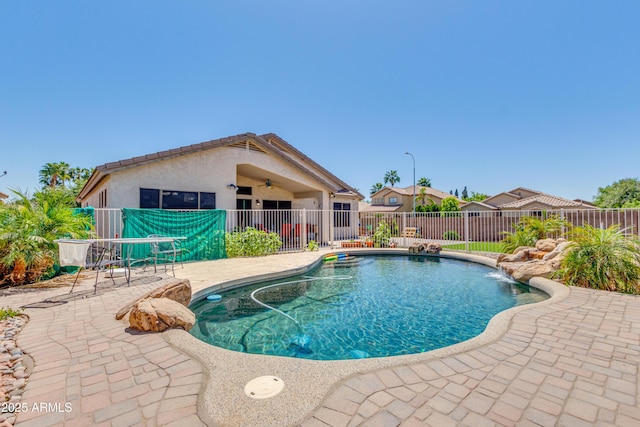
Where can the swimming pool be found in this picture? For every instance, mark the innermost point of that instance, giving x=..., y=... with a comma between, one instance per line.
x=373, y=306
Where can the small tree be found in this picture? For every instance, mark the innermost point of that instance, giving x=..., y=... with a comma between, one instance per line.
x=617, y=194
x=465, y=195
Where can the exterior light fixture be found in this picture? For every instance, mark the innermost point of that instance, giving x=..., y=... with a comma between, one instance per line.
x=257, y=202
x=232, y=187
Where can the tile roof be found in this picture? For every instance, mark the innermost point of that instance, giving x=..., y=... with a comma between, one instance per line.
x=546, y=199
x=268, y=143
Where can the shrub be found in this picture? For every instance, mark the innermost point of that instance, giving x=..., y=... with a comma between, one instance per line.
x=251, y=242
x=450, y=235
x=530, y=229
x=602, y=259
x=312, y=246
x=382, y=235
x=6, y=312
x=28, y=228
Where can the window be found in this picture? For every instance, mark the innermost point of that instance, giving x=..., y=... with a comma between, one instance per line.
x=378, y=201
x=102, y=199
x=179, y=199
x=207, y=200
x=393, y=200
x=245, y=191
x=149, y=199
x=341, y=214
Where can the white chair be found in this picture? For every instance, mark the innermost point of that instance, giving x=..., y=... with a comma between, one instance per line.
x=165, y=251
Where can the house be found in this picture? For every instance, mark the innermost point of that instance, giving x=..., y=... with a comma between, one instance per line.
x=393, y=199
x=3, y=196
x=525, y=199
x=246, y=171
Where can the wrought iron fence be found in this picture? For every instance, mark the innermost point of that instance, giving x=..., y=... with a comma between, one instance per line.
x=461, y=231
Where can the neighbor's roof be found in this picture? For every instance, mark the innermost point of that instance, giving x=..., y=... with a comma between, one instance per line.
x=469, y=205
x=408, y=191
x=269, y=143
x=546, y=199
x=3, y=196
x=376, y=208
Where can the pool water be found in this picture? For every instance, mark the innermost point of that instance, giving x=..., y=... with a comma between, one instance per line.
x=374, y=306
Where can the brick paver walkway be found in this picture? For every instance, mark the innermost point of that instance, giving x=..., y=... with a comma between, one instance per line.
x=571, y=363
x=91, y=371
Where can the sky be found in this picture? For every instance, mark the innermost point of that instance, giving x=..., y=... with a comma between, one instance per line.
x=491, y=95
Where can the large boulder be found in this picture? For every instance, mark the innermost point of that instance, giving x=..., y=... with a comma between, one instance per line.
x=546, y=245
x=416, y=248
x=530, y=269
x=178, y=290
x=520, y=256
x=558, y=251
x=160, y=314
x=433, y=248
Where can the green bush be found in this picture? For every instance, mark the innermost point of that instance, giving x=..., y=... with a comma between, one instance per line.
x=28, y=228
x=382, y=235
x=251, y=242
x=602, y=259
x=530, y=229
x=6, y=312
x=450, y=235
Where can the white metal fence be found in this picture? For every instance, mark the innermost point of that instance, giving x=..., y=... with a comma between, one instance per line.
x=464, y=231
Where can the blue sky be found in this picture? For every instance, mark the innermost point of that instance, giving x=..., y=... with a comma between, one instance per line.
x=490, y=95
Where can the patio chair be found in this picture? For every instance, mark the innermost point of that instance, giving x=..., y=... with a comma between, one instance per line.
x=165, y=252
x=73, y=254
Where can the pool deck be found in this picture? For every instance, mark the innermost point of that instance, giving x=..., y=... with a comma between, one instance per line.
x=571, y=360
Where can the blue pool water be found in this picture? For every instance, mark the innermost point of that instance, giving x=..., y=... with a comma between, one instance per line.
x=373, y=306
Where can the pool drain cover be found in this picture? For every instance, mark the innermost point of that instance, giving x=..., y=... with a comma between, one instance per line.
x=263, y=387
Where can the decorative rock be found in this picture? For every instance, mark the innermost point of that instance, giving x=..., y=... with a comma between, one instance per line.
x=557, y=251
x=433, y=248
x=176, y=290
x=160, y=314
x=532, y=269
x=546, y=245
x=416, y=248
x=522, y=255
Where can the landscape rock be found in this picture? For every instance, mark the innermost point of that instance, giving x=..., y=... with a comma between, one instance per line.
x=521, y=256
x=546, y=245
x=559, y=250
x=160, y=314
x=178, y=290
x=433, y=248
x=416, y=248
x=531, y=269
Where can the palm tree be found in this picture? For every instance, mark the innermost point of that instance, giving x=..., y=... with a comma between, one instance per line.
x=391, y=177
x=54, y=174
x=375, y=188
x=422, y=196
x=424, y=182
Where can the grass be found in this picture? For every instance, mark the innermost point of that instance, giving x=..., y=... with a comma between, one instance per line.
x=7, y=312
x=476, y=246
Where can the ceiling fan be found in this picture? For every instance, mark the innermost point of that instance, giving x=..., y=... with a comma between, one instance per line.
x=267, y=184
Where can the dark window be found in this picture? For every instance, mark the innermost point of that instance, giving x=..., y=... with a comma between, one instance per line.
x=149, y=199
x=269, y=204
x=245, y=191
x=207, y=200
x=341, y=214
x=179, y=199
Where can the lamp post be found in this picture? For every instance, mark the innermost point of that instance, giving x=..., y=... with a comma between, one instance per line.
x=414, y=181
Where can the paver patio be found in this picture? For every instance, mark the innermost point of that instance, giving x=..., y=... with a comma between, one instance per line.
x=573, y=362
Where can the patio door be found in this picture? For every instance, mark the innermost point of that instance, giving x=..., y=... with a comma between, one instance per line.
x=244, y=213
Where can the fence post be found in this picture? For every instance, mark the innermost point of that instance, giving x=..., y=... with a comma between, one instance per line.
x=466, y=230
x=303, y=230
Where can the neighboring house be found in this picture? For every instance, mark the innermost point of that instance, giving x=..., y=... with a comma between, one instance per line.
x=3, y=196
x=525, y=199
x=393, y=199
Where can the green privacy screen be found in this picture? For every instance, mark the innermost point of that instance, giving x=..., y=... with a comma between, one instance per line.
x=204, y=231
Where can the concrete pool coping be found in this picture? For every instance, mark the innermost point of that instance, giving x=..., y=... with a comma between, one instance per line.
x=307, y=382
